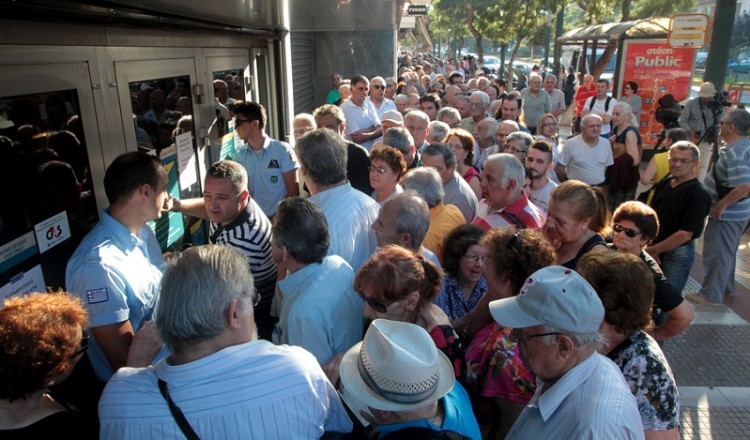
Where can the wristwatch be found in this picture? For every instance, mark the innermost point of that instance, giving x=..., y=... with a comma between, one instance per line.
x=176, y=205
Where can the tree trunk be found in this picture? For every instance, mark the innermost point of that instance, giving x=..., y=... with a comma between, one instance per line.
x=509, y=79
x=609, y=51
x=475, y=33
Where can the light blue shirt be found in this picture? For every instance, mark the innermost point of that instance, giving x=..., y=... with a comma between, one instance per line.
x=350, y=215
x=591, y=401
x=320, y=310
x=459, y=417
x=265, y=172
x=253, y=390
x=117, y=275
x=733, y=169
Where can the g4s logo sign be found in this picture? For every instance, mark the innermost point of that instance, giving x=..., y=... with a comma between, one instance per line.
x=54, y=232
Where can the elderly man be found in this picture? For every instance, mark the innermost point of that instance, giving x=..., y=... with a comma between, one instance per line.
x=538, y=165
x=400, y=380
x=404, y=220
x=349, y=212
x=320, y=311
x=457, y=191
x=586, y=156
x=729, y=187
x=478, y=105
x=556, y=96
x=377, y=97
x=485, y=137
x=418, y=124
x=302, y=123
x=601, y=105
x=697, y=118
x=463, y=105
x=425, y=182
x=402, y=102
x=362, y=120
x=438, y=131
x=535, y=102
x=506, y=204
x=240, y=223
x=451, y=95
x=271, y=165
x=357, y=158
x=400, y=139
x=390, y=119
x=580, y=393
x=518, y=144
x=450, y=116
x=682, y=204
x=219, y=380
x=116, y=269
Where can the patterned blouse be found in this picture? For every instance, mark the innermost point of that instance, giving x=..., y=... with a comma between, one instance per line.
x=647, y=372
x=455, y=304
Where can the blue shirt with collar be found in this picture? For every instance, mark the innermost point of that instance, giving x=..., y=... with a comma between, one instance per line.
x=265, y=172
x=116, y=273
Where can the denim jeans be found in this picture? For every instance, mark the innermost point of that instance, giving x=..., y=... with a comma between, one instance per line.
x=676, y=264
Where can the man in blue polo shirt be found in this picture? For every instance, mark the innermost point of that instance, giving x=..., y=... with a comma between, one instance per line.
x=116, y=269
x=271, y=165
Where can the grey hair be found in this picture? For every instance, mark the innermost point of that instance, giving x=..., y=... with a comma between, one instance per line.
x=626, y=109
x=417, y=114
x=687, y=146
x=413, y=216
x=229, y=169
x=323, y=155
x=493, y=128
x=301, y=227
x=398, y=138
x=439, y=131
x=549, y=75
x=196, y=292
x=306, y=117
x=513, y=169
x=425, y=182
x=401, y=98
x=329, y=109
x=463, y=98
x=448, y=111
x=740, y=118
x=513, y=124
x=485, y=97
x=582, y=341
x=521, y=136
x=441, y=149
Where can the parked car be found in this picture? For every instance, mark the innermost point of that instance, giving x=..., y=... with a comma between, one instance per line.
x=491, y=64
x=741, y=66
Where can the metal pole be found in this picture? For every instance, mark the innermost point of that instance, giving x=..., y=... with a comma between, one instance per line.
x=718, y=53
x=559, y=21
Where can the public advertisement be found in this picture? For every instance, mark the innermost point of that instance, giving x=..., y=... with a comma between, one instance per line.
x=659, y=70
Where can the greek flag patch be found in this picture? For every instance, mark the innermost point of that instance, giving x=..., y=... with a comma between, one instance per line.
x=97, y=295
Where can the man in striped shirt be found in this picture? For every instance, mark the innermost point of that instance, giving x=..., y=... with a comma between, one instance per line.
x=241, y=224
x=225, y=382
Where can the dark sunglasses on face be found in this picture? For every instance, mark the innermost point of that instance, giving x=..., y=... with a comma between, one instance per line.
x=377, y=86
x=84, y=345
x=376, y=305
x=632, y=233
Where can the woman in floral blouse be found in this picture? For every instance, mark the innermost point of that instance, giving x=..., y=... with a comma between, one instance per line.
x=464, y=263
x=626, y=288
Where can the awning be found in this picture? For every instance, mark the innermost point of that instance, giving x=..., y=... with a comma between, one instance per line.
x=646, y=28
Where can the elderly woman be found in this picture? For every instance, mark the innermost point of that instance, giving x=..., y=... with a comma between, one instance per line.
x=635, y=225
x=41, y=339
x=623, y=284
x=518, y=144
x=399, y=285
x=623, y=175
x=462, y=144
x=464, y=264
x=496, y=376
x=387, y=167
x=577, y=221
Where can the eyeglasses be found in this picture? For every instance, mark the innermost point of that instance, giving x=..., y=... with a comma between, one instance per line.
x=377, y=86
x=238, y=122
x=549, y=124
x=681, y=161
x=514, y=244
x=302, y=130
x=475, y=258
x=380, y=307
x=379, y=170
x=83, y=346
x=516, y=337
x=632, y=233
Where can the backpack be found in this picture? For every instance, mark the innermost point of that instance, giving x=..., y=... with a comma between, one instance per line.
x=606, y=103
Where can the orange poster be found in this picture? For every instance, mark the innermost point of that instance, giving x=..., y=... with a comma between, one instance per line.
x=658, y=69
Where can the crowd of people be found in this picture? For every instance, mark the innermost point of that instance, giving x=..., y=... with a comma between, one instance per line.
x=428, y=256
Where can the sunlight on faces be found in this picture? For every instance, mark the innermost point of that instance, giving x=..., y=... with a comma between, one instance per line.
x=382, y=177
x=223, y=204
x=538, y=162
x=561, y=223
x=438, y=163
x=458, y=149
x=472, y=264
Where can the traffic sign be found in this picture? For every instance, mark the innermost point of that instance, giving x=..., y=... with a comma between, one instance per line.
x=688, y=30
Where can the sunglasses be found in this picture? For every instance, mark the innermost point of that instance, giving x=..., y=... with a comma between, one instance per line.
x=632, y=233
x=379, y=170
x=377, y=86
x=238, y=122
x=84, y=345
x=376, y=305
